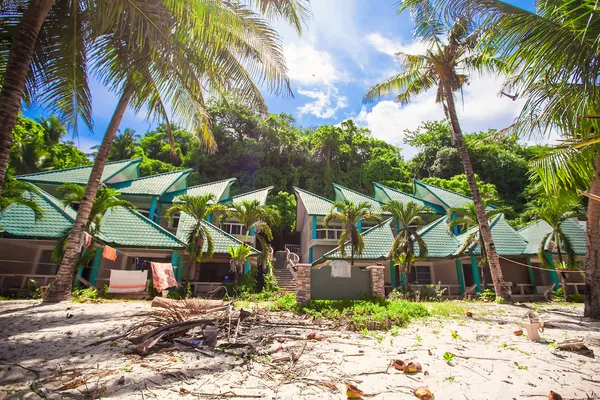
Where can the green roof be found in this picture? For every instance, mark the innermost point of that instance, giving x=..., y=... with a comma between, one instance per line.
x=222, y=240
x=535, y=232
x=79, y=175
x=342, y=193
x=220, y=189
x=314, y=204
x=439, y=239
x=446, y=197
x=123, y=227
x=260, y=195
x=384, y=194
x=378, y=244
x=19, y=221
x=155, y=185
x=507, y=240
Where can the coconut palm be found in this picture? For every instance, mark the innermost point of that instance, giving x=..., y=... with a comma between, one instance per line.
x=123, y=147
x=53, y=128
x=19, y=192
x=158, y=63
x=466, y=217
x=105, y=200
x=407, y=241
x=446, y=66
x=552, y=53
x=200, y=243
x=350, y=214
x=239, y=254
x=555, y=211
x=253, y=216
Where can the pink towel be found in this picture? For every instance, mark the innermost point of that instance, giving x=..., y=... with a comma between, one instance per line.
x=163, y=276
x=109, y=253
x=86, y=240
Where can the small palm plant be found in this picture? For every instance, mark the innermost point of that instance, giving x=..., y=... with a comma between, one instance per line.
x=106, y=199
x=238, y=254
x=556, y=210
x=252, y=215
x=466, y=217
x=350, y=214
x=200, y=244
x=19, y=192
x=409, y=216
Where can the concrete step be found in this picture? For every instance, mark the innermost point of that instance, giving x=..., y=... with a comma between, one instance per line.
x=285, y=280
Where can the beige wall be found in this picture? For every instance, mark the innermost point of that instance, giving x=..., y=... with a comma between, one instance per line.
x=24, y=256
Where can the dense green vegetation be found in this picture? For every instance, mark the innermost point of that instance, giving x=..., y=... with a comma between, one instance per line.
x=264, y=150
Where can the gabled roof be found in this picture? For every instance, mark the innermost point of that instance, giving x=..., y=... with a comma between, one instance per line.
x=315, y=204
x=79, y=175
x=446, y=197
x=19, y=221
x=220, y=189
x=154, y=185
x=535, y=232
x=378, y=244
x=123, y=227
x=439, y=239
x=507, y=240
x=260, y=195
x=222, y=240
x=384, y=194
x=357, y=197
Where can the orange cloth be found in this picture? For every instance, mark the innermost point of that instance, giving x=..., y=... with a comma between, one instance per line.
x=163, y=276
x=109, y=253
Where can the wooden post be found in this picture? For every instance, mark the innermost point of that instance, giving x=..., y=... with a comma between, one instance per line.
x=96, y=265
x=175, y=263
x=531, y=274
x=553, y=274
x=393, y=274
x=247, y=266
x=459, y=275
x=475, y=270
x=153, y=208
x=403, y=278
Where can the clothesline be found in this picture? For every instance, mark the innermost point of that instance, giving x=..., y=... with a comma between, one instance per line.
x=531, y=266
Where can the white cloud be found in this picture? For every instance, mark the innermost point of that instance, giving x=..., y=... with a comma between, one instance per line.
x=327, y=102
x=482, y=109
x=391, y=47
x=309, y=66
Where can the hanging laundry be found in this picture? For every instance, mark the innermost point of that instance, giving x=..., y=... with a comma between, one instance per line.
x=163, y=276
x=109, y=253
x=86, y=240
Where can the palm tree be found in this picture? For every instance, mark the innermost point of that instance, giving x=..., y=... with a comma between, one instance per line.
x=53, y=128
x=239, y=254
x=409, y=216
x=466, y=217
x=555, y=211
x=254, y=217
x=200, y=243
x=157, y=62
x=124, y=145
x=19, y=192
x=446, y=66
x=350, y=214
x=105, y=200
x=552, y=54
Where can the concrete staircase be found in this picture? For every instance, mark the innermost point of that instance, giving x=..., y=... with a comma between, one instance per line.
x=285, y=280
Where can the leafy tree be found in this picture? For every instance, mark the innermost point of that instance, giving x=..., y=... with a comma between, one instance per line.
x=409, y=215
x=350, y=214
x=447, y=163
x=124, y=145
x=19, y=192
x=197, y=208
x=445, y=66
x=465, y=217
x=460, y=185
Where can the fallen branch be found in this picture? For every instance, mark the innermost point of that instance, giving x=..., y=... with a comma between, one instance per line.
x=279, y=347
x=480, y=358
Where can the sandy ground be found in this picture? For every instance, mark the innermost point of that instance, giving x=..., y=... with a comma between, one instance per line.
x=46, y=349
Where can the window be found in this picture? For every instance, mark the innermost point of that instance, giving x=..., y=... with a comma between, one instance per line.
x=174, y=222
x=234, y=228
x=331, y=232
x=420, y=275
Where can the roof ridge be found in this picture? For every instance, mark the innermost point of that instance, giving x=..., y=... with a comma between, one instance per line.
x=50, y=199
x=431, y=225
x=357, y=192
x=441, y=188
x=397, y=191
x=228, y=235
x=313, y=194
x=181, y=171
x=379, y=225
x=253, y=191
x=211, y=183
x=76, y=168
x=152, y=223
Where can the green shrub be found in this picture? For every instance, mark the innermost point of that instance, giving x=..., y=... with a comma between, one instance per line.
x=81, y=295
x=487, y=295
x=575, y=298
x=286, y=302
x=424, y=293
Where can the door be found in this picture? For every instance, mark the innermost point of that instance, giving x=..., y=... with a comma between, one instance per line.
x=468, y=275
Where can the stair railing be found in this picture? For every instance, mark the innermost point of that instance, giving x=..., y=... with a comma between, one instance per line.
x=291, y=260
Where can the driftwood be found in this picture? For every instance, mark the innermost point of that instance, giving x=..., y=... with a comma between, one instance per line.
x=279, y=347
x=163, y=302
x=145, y=342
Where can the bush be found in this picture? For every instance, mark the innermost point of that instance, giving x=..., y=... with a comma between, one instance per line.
x=81, y=295
x=488, y=295
x=424, y=293
x=575, y=298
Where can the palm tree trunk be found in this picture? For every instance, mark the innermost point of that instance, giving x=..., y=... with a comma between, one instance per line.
x=484, y=227
x=592, y=259
x=563, y=275
x=17, y=67
x=61, y=287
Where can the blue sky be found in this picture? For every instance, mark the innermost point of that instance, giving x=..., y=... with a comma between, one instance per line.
x=347, y=47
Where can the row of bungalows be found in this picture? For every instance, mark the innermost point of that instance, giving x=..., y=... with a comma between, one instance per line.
x=139, y=236
x=451, y=262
